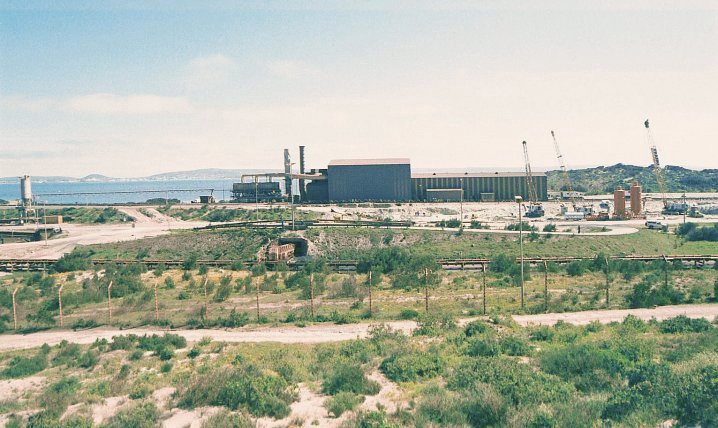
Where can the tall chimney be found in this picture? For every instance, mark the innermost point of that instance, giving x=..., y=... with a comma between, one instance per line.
x=287, y=174
x=302, y=190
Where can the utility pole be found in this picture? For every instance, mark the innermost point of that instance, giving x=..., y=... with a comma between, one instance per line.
x=685, y=208
x=44, y=220
x=256, y=198
x=519, y=199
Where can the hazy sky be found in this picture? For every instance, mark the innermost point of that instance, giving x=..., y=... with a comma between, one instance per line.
x=123, y=89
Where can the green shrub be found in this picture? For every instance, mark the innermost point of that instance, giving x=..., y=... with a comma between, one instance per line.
x=683, y=324
x=89, y=359
x=646, y=295
x=589, y=366
x=136, y=355
x=517, y=382
x=23, y=367
x=346, y=377
x=412, y=364
x=408, y=314
x=515, y=346
x=142, y=415
x=246, y=387
x=194, y=352
x=475, y=328
x=483, y=347
x=342, y=402
x=435, y=324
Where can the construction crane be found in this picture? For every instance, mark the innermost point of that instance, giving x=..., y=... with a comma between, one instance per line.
x=656, y=165
x=534, y=208
x=564, y=170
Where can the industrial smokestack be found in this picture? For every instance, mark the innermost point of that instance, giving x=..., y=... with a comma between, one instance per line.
x=25, y=191
x=287, y=174
x=302, y=191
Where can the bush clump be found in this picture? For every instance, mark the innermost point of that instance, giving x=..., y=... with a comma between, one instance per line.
x=24, y=366
x=346, y=377
x=246, y=387
x=343, y=402
x=411, y=365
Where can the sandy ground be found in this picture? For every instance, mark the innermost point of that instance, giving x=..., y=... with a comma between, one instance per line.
x=322, y=333
x=496, y=215
x=100, y=234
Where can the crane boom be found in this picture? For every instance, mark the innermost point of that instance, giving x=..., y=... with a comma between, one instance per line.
x=657, y=170
x=566, y=177
x=529, y=176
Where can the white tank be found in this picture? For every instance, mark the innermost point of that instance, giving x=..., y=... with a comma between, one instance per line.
x=26, y=190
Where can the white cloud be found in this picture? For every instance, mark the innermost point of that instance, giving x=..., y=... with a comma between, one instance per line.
x=292, y=69
x=105, y=103
x=19, y=102
x=211, y=70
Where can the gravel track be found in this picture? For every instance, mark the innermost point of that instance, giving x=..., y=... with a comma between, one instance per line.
x=322, y=333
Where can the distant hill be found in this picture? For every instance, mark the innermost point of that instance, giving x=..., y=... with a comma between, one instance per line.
x=197, y=174
x=604, y=179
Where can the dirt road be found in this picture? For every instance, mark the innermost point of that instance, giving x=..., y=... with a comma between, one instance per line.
x=322, y=333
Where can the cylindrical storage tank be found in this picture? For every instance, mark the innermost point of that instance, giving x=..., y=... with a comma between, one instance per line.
x=619, y=202
x=636, y=198
x=25, y=190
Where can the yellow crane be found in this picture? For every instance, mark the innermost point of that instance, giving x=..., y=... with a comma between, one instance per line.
x=566, y=178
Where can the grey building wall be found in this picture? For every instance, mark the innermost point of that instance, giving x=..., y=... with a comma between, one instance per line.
x=380, y=182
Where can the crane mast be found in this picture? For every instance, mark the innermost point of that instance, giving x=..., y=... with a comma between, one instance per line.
x=564, y=170
x=657, y=170
x=534, y=209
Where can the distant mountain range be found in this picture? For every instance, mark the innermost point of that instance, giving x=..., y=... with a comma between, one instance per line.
x=604, y=179
x=597, y=180
x=197, y=174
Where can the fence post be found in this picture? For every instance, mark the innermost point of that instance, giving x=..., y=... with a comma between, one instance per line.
x=483, y=270
x=545, y=285
x=608, y=281
x=59, y=300
x=109, y=303
x=157, y=304
x=256, y=296
x=14, y=308
x=206, y=304
x=370, y=312
x=311, y=294
x=426, y=289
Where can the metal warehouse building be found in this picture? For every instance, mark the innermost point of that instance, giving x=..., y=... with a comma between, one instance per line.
x=369, y=180
x=498, y=186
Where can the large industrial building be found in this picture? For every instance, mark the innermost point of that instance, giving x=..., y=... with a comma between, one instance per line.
x=390, y=180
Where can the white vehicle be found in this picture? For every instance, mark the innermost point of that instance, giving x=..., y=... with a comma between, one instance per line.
x=654, y=224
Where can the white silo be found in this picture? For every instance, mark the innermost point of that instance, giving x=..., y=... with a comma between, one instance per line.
x=25, y=191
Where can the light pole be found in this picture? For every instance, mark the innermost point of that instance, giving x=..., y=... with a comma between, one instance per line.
x=291, y=193
x=256, y=198
x=685, y=208
x=519, y=199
